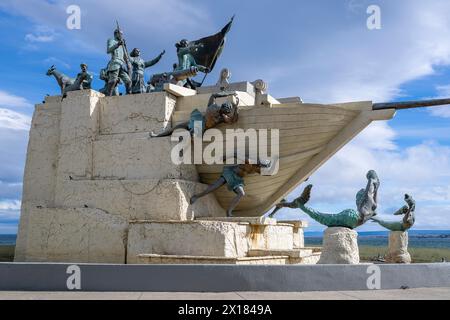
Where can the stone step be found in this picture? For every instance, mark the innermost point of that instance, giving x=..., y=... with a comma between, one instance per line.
x=151, y=199
x=136, y=157
x=180, y=259
x=296, y=256
x=311, y=259
x=296, y=223
x=294, y=253
x=251, y=220
x=314, y=249
x=205, y=238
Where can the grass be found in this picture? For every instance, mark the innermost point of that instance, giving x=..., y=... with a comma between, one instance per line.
x=6, y=253
x=418, y=255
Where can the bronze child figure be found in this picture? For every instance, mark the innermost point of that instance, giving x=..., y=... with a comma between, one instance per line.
x=139, y=65
x=232, y=176
x=214, y=115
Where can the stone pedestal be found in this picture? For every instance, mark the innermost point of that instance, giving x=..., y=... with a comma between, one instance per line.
x=97, y=189
x=208, y=238
x=398, y=248
x=340, y=246
x=299, y=235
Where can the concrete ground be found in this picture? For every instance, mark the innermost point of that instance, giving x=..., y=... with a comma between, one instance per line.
x=407, y=294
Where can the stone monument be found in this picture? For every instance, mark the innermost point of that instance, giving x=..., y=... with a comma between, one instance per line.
x=99, y=189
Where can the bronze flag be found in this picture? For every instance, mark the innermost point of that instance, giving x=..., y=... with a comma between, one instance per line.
x=212, y=47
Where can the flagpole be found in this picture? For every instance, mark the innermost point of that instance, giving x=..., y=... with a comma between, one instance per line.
x=215, y=56
x=203, y=79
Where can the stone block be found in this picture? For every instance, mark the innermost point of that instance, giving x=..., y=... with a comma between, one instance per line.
x=136, y=113
x=147, y=199
x=73, y=235
x=79, y=127
x=190, y=238
x=271, y=237
x=294, y=253
x=39, y=181
x=340, y=246
x=42, y=155
x=177, y=259
x=398, y=248
x=311, y=259
x=251, y=220
x=134, y=156
x=299, y=235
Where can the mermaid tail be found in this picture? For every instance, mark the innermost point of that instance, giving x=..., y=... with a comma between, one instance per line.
x=406, y=222
x=390, y=225
x=348, y=218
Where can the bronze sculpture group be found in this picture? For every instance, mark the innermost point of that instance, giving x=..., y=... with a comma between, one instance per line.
x=82, y=81
x=128, y=68
x=366, y=204
x=200, y=56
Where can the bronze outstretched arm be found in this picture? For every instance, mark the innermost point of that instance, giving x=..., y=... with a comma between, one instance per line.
x=154, y=61
x=222, y=94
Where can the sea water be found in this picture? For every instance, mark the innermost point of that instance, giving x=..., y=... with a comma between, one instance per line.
x=417, y=238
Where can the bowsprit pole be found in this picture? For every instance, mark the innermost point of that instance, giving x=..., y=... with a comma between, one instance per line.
x=411, y=104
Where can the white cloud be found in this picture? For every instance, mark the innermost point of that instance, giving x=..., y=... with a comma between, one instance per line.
x=38, y=38
x=10, y=204
x=443, y=112
x=443, y=92
x=42, y=34
x=10, y=190
x=57, y=62
x=13, y=146
x=340, y=60
x=12, y=101
x=154, y=20
x=14, y=120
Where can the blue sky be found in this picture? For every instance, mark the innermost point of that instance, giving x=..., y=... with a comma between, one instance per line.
x=319, y=50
